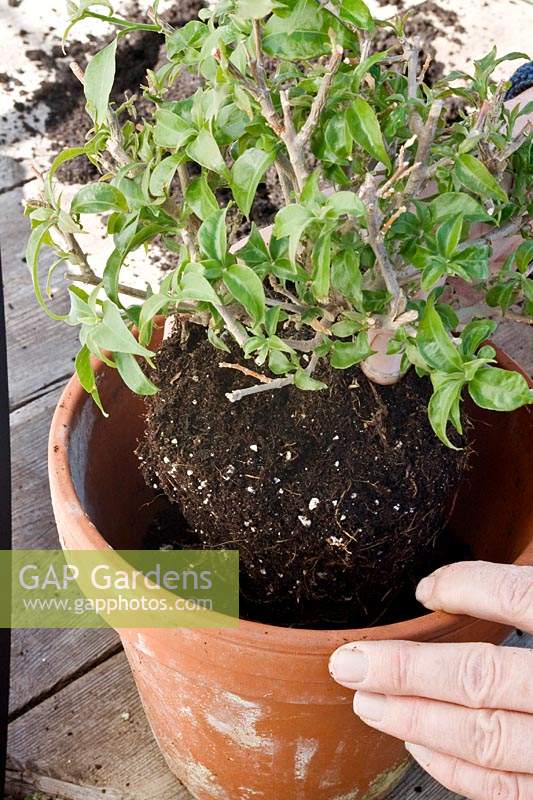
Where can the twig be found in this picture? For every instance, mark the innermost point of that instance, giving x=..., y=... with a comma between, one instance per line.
x=278, y=383
x=512, y=227
x=426, y=138
x=375, y=239
x=390, y=222
x=284, y=183
x=319, y=102
x=232, y=324
x=290, y=138
x=260, y=72
x=93, y=280
x=425, y=68
x=516, y=143
x=304, y=345
x=411, y=49
x=246, y=371
x=272, y=302
x=483, y=311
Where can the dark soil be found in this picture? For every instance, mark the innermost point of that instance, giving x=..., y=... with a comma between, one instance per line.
x=337, y=500
x=427, y=21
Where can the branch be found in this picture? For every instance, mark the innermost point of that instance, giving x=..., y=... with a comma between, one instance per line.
x=512, y=227
x=232, y=324
x=286, y=187
x=304, y=345
x=411, y=49
x=375, y=239
x=481, y=310
x=279, y=383
x=260, y=72
x=320, y=100
x=94, y=280
x=426, y=138
x=517, y=142
x=290, y=139
x=246, y=371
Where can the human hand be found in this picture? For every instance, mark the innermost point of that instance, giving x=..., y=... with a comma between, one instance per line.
x=464, y=710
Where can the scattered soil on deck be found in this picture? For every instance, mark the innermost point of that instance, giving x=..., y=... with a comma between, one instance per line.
x=337, y=500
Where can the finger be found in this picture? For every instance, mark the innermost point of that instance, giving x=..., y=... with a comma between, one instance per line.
x=493, y=739
x=473, y=675
x=496, y=592
x=470, y=781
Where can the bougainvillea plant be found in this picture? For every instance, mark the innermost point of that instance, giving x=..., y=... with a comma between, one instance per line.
x=387, y=200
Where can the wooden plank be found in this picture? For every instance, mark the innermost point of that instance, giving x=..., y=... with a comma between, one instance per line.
x=40, y=351
x=93, y=734
x=43, y=660
x=517, y=340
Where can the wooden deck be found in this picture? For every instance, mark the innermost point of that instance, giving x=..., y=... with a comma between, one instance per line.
x=77, y=727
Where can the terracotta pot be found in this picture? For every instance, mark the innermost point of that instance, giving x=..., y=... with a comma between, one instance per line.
x=252, y=712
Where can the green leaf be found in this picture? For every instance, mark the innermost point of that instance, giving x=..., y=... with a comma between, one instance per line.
x=132, y=374
x=442, y=406
x=476, y=177
x=206, y=152
x=321, y=268
x=432, y=274
x=366, y=131
x=149, y=309
x=278, y=363
x=434, y=343
x=171, y=130
x=449, y=236
x=201, y=198
x=450, y=204
x=357, y=12
x=524, y=255
x=97, y=198
x=338, y=139
x=502, y=294
x=291, y=222
x=347, y=354
x=247, y=289
x=99, y=79
x=346, y=276
x=163, y=174
x=300, y=34
x=86, y=377
x=194, y=286
x=254, y=9
x=246, y=174
x=472, y=263
x=474, y=334
x=254, y=252
x=217, y=341
x=212, y=236
x=499, y=389
x=113, y=334
x=304, y=381
x=39, y=237
x=347, y=203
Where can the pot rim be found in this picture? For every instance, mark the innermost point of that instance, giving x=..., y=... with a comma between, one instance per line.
x=431, y=626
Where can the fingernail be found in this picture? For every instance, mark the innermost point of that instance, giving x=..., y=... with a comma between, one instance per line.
x=349, y=665
x=419, y=753
x=370, y=706
x=425, y=589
